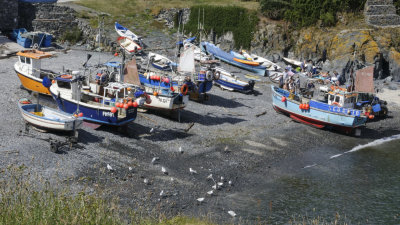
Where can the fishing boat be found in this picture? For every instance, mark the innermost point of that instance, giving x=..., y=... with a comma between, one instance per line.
x=29, y=71
x=292, y=62
x=110, y=103
x=247, y=62
x=229, y=58
x=161, y=62
x=128, y=45
x=230, y=82
x=48, y=118
x=275, y=76
x=337, y=112
x=258, y=59
x=198, y=54
x=125, y=32
x=163, y=92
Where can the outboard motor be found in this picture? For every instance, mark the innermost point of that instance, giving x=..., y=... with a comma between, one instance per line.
x=251, y=84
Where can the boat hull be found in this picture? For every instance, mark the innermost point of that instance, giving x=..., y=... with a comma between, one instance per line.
x=61, y=124
x=316, y=116
x=166, y=102
x=32, y=84
x=96, y=114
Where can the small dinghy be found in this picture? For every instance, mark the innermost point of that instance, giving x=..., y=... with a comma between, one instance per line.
x=124, y=32
x=128, y=45
x=47, y=118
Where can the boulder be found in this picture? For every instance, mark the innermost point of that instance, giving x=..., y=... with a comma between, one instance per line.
x=394, y=64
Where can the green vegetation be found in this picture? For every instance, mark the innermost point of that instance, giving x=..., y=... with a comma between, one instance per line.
x=37, y=202
x=240, y=21
x=397, y=4
x=74, y=35
x=303, y=13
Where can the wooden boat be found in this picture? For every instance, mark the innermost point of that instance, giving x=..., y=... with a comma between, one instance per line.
x=230, y=82
x=29, y=71
x=247, y=62
x=320, y=114
x=128, y=45
x=161, y=62
x=275, y=76
x=292, y=62
x=47, y=118
x=109, y=103
x=229, y=58
x=124, y=32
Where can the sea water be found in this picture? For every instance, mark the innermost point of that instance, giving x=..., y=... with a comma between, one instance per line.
x=359, y=186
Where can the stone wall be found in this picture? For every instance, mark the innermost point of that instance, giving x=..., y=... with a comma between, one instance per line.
x=381, y=13
x=8, y=14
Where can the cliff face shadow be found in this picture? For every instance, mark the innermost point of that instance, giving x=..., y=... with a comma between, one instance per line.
x=216, y=100
x=210, y=118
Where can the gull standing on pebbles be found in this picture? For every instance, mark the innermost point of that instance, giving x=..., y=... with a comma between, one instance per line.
x=214, y=187
x=162, y=193
x=146, y=181
x=130, y=168
x=222, y=178
x=210, y=177
x=220, y=184
x=200, y=200
x=230, y=183
x=151, y=130
x=109, y=167
x=154, y=160
x=232, y=213
x=192, y=171
x=210, y=192
x=164, y=170
x=180, y=149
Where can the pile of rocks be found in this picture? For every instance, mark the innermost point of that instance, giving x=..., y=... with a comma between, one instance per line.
x=168, y=16
x=381, y=13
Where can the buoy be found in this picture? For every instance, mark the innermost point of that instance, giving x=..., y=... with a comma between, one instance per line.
x=116, y=54
x=80, y=114
x=283, y=99
x=157, y=78
x=130, y=104
x=117, y=104
x=301, y=106
x=165, y=80
x=307, y=106
x=155, y=93
x=128, y=89
x=371, y=117
x=53, y=81
x=172, y=88
x=126, y=106
x=113, y=109
x=135, y=104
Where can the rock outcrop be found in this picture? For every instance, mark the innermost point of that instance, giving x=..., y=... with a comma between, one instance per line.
x=8, y=14
x=381, y=13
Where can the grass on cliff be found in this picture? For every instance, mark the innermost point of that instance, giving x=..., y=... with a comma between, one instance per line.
x=27, y=199
x=132, y=7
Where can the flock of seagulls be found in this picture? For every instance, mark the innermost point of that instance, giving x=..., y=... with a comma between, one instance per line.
x=217, y=184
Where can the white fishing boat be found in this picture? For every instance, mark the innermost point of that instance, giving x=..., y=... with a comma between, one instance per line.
x=292, y=62
x=48, y=118
x=125, y=32
x=228, y=81
x=160, y=62
x=198, y=54
x=128, y=45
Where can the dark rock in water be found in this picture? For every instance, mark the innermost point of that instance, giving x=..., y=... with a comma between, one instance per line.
x=393, y=86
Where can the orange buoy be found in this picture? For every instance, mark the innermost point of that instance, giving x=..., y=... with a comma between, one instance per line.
x=126, y=106
x=172, y=88
x=371, y=117
x=157, y=78
x=283, y=99
x=128, y=89
x=117, y=104
x=135, y=104
x=53, y=81
x=301, y=106
x=307, y=106
x=116, y=54
x=130, y=104
x=80, y=114
x=113, y=109
x=155, y=93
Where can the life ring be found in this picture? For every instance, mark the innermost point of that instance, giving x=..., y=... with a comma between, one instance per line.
x=337, y=104
x=184, y=89
x=209, y=75
x=217, y=75
x=66, y=76
x=148, y=99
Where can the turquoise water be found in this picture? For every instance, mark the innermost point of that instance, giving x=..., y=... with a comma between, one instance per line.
x=362, y=186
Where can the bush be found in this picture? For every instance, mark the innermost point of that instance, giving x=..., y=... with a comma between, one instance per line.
x=303, y=13
x=73, y=36
x=241, y=22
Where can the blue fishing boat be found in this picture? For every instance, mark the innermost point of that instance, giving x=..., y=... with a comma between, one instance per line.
x=110, y=104
x=230, y=82
x=330, y=114
x=231, y=59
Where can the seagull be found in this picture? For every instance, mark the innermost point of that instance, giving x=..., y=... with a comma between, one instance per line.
x=109, y=167
x=220, y=184
x=164, y=170
x=232, y=213
x=172, y=179
x=146, y=181
x=226, y=149
x=210, y=176
x=200, y=200
x=210, y=192
x=180, y=149
x=162, y=193
x=192, y=171
x=214, y=187
x=130, y=168
x=222, y=178
x=230, y=183
x=153, y=161
x=151, y=130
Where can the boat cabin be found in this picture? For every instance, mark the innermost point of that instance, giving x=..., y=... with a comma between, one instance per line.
x=342, y=99
x=29, y=63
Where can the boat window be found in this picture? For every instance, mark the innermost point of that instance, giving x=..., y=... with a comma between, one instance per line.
x=337, y=99
x=331, y=97
x=28, y=61
x=65, y=85
x=22, y=59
